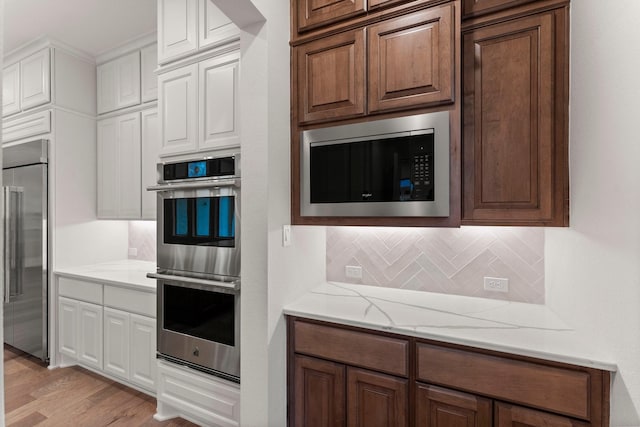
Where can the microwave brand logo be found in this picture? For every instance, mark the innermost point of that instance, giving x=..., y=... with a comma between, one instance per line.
x=367, y=196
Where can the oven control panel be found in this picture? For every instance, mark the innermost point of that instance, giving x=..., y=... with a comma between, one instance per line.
x=202, y=168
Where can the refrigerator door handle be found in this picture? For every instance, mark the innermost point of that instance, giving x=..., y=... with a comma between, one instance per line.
x=12, y=221
x=19, y=240
x=6, y=195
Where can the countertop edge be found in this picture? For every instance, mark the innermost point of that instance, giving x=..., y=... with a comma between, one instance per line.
x=560, y=358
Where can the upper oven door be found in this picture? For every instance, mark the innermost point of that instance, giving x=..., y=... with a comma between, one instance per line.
x=199, y=229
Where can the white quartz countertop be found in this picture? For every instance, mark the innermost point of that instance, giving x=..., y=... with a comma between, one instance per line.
x=518, y=328
x=128, y=273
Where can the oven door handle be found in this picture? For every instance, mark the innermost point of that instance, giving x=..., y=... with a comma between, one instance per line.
x=228, y=286
x=195, y=185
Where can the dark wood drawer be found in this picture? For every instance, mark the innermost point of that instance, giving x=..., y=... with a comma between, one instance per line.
x=365, y=350
x=563, y=391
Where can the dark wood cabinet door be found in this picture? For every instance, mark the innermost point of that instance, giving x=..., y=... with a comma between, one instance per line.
x=314, y=13
x=476, y=7
x=331, y=77
x=516, y=416
x=375, y=4
x=515, y=107
x=319, y=393
x=439, y=407
x=411, y=60
x=376, y=400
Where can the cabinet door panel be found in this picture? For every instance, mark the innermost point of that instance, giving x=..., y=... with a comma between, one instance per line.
x=108, y=179
x=116, y=338
x=439, y=407
x=107, y=86
x=376, y=400
x=90, y=335
x=513, y=153
x=143, y=351
x=331, y=77
x=148, y=65
x=34, y=80
x=11, y=90
x=218, y=92
x=68, y=327
x=517, y=416
x=475, y=7
x=178, y=102
x=319, y=393
x=411, y=60
x=177, y=29
x=215, y=27
x=129, y=190
x=128, y=80
x=374, y=4
x=150, y=156
x=313, y=13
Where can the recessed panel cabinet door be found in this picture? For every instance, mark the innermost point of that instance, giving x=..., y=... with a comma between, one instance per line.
x=11, y=90
x=178, y=103
x=474, y=7
x=331, y=77
x=143, y=351
x=319, y=393
x=411, y=60
x=35, y=84
x=129, y=191
x=68, y=327
x=128, y=80
x=517, y=416
x=150, y=125
x=376, y=400
x=149, y=80
x=177, y=29
x=439, y=407
x=90, y=335
x=514, y=122
x=313, y=13
x=116, y=343
x=108, y=178
x=215, y=27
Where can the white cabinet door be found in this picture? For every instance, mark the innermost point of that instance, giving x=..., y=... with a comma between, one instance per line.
x=116, y=346
x=107, y=86
x=218, y=92
x=129, y=176
x=128, y=80
x=178, y=100
x=214, y=28
x=35, y=87
x=11, y=90
x=108, y=180
x=150, y=156
x=143, y=351
x=149, y=63
x=68, y=327
x=90, y=335
x=177, y=29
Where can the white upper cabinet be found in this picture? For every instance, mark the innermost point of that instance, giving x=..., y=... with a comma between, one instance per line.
x=149, y=80
x=35, y=81
x=11, y=90
x=214, y=26
x=27, y=84
x=218, y=93
x=177, y=29
x=178, y=101
x=119, y=83
x=150, y=155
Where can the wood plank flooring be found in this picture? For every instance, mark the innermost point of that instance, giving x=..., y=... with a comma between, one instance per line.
x=37, y=396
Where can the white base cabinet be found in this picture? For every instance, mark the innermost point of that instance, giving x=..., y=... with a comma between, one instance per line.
x=109, y=329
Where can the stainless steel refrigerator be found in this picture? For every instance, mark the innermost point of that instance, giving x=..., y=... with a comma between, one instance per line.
x=24, y=177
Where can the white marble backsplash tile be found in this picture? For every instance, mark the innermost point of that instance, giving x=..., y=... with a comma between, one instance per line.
x=444, y=260
x=142, y=237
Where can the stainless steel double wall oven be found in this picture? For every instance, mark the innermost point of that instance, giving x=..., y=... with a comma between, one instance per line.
x=198, y=271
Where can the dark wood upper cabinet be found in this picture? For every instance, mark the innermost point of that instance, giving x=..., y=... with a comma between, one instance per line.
x=411, y=60
x=375, y=4
x=440, y=407
x=476, y=7
x=514, y=122
x=376, y=400
x=331, y=77
x=314, y=13
x=320, y=397
x=517, y=416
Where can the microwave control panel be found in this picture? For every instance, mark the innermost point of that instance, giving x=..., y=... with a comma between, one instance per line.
x=202, y=168
x=422, y=177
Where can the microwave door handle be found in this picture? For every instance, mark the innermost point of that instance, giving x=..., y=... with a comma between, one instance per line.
x=195, y=185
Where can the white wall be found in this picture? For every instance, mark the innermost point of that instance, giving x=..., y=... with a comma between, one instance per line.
x=593, y=268
x=271, y=274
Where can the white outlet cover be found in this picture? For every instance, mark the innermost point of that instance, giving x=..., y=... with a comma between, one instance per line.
x=353, y=271
x=496, y=284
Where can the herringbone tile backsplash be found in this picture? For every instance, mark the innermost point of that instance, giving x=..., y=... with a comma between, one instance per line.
x=445, y=260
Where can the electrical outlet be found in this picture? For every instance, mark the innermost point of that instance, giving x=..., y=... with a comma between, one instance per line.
x=353, y=271
x=496, y=284
x=286, y=235
x=133, y=251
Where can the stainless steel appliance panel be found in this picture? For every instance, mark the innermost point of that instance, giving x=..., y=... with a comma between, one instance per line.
x=25, y=239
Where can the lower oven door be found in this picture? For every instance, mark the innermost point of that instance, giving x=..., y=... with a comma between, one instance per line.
x=199, y=324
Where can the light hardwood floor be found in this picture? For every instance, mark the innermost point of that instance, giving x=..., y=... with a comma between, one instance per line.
x=37, y=396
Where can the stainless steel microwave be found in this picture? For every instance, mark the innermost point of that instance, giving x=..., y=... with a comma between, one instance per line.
x=390, y=167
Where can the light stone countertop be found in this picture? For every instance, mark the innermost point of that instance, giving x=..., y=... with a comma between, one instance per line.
x=511, y=327
x=127, y=273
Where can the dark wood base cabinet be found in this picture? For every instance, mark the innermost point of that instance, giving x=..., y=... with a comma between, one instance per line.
x=344, y=376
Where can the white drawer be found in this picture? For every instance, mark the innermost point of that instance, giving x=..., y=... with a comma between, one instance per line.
x=129, y=300
x=26, y=126
x=80, y=290
x=211, y=399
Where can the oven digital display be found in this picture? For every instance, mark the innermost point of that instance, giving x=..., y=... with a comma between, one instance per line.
x=197, y=169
